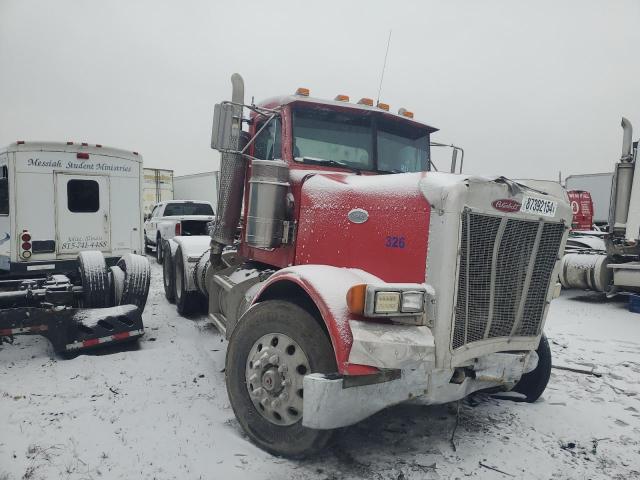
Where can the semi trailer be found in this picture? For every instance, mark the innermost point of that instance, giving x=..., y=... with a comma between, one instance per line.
x=616, y=268
x=362, y=278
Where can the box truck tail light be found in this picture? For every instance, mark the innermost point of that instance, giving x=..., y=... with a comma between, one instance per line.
x=178, y=229
x=25, y=246
x=82, y=156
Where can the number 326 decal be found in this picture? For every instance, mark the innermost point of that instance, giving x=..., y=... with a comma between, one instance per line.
x=395, y=242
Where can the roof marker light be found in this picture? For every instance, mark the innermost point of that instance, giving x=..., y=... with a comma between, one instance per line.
x=69, y=143
x=85, y=144
x=383, y=106
x=302, y=91
x=405, y=113
x=366, y=101
x=20, y=142
x=98, y=145
x=342, y=98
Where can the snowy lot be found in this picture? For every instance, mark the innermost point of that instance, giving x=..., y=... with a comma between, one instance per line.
x=161, y=411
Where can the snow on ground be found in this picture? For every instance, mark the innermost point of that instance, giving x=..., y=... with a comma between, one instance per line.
x=161, y=411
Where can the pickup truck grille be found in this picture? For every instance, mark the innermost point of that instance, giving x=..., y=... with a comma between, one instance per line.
x=505, y=270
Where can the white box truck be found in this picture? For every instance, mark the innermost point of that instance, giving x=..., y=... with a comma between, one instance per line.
x=58, y=199
x=70, y=231
x=199, y=186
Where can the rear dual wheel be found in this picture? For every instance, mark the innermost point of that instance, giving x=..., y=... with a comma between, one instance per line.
x=187, y=301
x=124, y=284
x=275, y=344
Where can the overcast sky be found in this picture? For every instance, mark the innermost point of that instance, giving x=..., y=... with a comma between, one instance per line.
x=527, y=88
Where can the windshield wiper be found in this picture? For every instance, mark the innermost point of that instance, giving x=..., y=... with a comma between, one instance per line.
x=395, y=170
x=328, y=163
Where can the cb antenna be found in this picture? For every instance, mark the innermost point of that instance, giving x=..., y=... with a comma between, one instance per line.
x=383, y=67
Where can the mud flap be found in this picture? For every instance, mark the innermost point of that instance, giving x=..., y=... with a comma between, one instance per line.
x=74, y=329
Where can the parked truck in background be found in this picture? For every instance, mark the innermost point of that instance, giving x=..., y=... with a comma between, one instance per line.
x=617, y=269
x=71, y=226
x=599, y=187
x=198, y=186
x=157, y=187
x=363, y=278
x=59, y=199
x=176, y=217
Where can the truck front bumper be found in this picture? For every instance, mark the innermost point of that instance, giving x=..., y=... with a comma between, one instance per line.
x=405, y=355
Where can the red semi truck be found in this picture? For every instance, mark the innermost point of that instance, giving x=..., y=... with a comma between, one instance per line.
x=363, y=278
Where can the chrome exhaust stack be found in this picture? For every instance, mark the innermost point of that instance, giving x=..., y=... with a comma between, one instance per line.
x=622, y=184
x=227, y=138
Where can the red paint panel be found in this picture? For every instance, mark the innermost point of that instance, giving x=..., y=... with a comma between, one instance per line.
x=90, y=343
x=391, y=243
x=121, y=335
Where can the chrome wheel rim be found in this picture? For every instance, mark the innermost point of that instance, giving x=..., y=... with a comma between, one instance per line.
x=275, y=370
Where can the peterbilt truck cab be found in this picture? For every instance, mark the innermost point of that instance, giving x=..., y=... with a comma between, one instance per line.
x=363, y=277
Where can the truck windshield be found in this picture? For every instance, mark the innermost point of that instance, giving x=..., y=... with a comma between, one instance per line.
x=363, y=142
x=177, y=209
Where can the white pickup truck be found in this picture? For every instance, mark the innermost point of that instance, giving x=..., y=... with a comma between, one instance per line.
x=173, y=218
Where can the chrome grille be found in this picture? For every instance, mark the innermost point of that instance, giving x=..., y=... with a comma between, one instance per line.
x=505, y=270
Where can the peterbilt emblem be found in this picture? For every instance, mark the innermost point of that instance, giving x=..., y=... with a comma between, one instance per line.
x=506, y=205
x=358, y=215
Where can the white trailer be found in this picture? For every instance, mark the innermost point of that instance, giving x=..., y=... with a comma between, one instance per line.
x=199, y=186
x=58, y=199
x=157, y=186
x=599, y=187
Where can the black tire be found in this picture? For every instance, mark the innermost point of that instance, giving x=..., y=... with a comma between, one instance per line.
x=137, y=276
x=168, y=278
x=147, y=247
x=532, y=384
x=159, y=257
x=187, y=302
x=277, y=316
x=95, y=279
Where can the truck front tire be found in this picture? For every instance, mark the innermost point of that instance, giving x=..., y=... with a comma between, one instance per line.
x=279, y=329
x=532, y=384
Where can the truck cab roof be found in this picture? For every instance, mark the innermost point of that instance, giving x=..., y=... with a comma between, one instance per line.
x=283, y=100
x=71, y=147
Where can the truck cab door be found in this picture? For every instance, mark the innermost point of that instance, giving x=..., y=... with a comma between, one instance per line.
x=83, y=217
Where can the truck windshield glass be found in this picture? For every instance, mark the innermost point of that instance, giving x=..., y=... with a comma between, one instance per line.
x=177, y=209
x=363, y=142
x=331, y=135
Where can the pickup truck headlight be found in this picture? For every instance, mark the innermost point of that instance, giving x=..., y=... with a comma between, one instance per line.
x=386, y=300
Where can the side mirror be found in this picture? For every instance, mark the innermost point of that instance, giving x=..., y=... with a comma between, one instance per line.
x=221, y=132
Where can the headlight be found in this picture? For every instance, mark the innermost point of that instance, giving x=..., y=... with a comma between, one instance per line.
x=387, y=299
x=387, y=302
x=412, y=302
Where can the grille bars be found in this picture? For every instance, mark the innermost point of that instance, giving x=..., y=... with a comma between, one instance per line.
x=494, y=266
x=466, y=301
x=527, y=279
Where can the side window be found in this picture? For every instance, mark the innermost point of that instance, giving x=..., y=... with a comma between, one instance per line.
x=268, y=145
x=4, y=191
x=154, y=212
x=83, y=196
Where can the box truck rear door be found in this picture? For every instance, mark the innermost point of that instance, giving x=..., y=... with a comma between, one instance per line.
x=83, y=217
